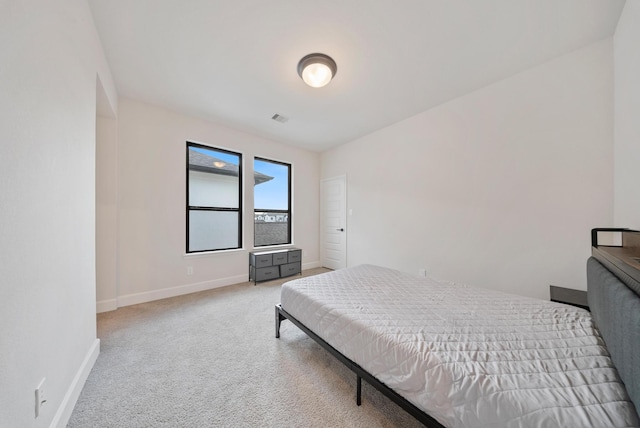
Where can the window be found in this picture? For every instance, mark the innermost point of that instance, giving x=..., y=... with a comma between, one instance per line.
x=272, y=202
x=214, y=199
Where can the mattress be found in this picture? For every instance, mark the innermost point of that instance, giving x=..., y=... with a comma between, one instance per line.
x=467, y=356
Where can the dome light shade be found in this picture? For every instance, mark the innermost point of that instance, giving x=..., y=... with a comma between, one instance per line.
x=317, y=69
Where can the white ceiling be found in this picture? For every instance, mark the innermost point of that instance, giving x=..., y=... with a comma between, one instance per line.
x=234, y=61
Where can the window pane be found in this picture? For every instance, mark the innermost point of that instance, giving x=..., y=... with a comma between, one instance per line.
x=214, y=199
x=272, y=216
x=212, y=190
x=213, y=178
x=213, y=230
x=271, y=189
x=271, y=228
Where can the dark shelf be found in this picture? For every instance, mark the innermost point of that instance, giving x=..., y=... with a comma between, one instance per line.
x=569, y=296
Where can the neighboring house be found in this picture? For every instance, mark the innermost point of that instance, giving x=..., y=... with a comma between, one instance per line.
x=206, y=171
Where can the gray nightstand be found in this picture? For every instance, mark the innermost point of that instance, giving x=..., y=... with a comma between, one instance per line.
x=569, y=296
x=266, y=265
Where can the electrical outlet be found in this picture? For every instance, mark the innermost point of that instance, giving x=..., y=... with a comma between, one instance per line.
x=41, y=397
x=189, y=270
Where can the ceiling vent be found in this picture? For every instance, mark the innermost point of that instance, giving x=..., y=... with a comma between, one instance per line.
x=279, y=118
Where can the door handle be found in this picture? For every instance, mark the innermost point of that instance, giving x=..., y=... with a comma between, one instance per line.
x=340, y=230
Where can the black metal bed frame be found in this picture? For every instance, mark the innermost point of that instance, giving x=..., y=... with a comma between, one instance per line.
x=361, y=373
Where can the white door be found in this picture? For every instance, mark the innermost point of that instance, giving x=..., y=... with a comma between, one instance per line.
x=333, y=232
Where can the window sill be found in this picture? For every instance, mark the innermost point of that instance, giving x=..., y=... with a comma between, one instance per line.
x=273, y=247
x=213, y=253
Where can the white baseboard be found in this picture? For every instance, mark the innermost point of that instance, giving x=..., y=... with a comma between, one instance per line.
x=62, y=416
x=106, y=305
x=311, y=265
x=149, y=296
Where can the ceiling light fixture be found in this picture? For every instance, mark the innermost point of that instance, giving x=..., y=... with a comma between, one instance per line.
x=317, y=69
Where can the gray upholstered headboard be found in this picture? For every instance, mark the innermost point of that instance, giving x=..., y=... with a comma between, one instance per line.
x=616, y=312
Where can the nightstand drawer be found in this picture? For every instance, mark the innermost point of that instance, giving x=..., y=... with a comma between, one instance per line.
x=263, y=274
x=262, y=260
x=295, y=256
x=290, y=269
x=280, y=258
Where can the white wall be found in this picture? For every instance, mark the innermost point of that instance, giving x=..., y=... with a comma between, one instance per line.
x=627, y=117
x=106, y=212
x=151, y=239
x=51, y=57
x=498, y=188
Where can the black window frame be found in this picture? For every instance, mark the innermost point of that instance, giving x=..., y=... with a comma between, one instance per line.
x=288, y=211
x=190, y=208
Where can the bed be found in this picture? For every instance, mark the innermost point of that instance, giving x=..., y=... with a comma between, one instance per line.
x=459, y=356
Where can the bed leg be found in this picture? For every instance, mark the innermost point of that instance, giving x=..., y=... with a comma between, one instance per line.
x=279, y=318
x=359, y=391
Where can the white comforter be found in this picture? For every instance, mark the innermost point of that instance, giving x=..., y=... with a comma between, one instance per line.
x=467, y=356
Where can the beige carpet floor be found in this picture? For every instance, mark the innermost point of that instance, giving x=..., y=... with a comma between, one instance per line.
x=211, y=359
